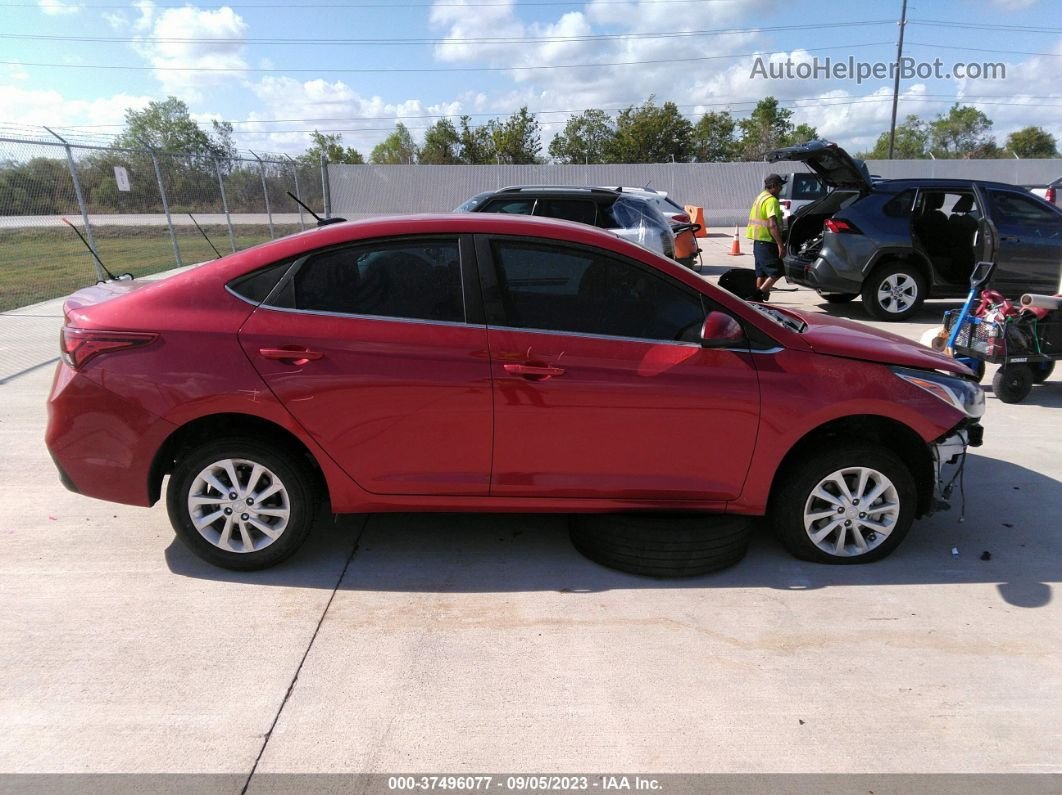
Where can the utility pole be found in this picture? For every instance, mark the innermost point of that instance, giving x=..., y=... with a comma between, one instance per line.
x=896, y=82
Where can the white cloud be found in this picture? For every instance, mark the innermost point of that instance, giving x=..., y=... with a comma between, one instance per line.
x=180, y=41
x=57, y=8
x=39, y=107
x=334, y=106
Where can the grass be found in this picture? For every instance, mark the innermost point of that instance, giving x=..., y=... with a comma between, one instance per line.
x=44, y=263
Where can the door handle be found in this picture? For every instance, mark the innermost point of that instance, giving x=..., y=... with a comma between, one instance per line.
x=293, y=354
x=533, y=372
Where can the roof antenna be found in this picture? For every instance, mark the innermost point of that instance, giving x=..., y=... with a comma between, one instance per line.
x=95, y=256
x=320, y=221
x=204, y=234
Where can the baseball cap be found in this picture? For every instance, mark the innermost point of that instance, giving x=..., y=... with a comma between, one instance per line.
x=773, y=179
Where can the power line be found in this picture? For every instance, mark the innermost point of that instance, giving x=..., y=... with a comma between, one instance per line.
x=975, y=26
x=444, y=40
x=405, y=70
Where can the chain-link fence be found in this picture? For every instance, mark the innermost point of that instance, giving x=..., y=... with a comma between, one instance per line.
x=137, y=211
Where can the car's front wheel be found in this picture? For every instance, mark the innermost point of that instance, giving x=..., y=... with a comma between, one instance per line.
x=850, y=504
x=241, y=504
x=894, y=291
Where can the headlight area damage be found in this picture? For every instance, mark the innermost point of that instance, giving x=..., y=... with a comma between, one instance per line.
x=949, y=451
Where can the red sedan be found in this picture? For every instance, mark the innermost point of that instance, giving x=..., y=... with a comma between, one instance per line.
x=484, y=362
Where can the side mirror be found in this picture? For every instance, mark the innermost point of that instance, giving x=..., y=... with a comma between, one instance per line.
x=720, y=330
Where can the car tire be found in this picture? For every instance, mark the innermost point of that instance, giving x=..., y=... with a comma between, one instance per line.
x=1012, y=382
x=662, y=545
x=894, y=291
x=1042, y=371
x=839, y=298
x=265, y=517
x=816, y=511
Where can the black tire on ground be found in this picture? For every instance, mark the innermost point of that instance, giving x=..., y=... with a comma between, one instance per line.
x=820, y=520
x=839, y=298
x=263, y=519
x=661, y=544
x=1013, y=382
x=894, y=291
x=1042, y=371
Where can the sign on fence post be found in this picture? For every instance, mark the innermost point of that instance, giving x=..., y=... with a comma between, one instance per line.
x=121, y=176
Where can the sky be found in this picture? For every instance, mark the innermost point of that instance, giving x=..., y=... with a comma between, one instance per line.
x=279, y=70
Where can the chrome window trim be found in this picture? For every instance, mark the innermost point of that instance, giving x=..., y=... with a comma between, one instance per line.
x=390, y=318
x=588, y=335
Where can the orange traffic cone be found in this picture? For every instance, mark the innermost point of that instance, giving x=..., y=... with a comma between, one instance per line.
x=735, y=247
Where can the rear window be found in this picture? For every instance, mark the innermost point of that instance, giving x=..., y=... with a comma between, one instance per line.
x=805, y=186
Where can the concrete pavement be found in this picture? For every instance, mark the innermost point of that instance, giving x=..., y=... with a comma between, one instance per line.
x=483, y=643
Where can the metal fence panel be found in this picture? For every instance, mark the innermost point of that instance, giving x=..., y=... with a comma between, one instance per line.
x=213, y=208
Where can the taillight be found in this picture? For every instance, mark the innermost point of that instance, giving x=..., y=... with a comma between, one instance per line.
x=1050, y=194
x=838, y=226
x=681, y=218
x=79, y=345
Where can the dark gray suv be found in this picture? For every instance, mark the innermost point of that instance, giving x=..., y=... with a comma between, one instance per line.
x=897, y=242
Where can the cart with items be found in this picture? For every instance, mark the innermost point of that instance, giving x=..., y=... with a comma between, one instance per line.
x=1024, y=339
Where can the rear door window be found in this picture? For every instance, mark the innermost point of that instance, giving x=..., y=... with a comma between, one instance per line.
x=583, y=212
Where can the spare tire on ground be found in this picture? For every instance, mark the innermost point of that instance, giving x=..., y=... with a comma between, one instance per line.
x=662, y=544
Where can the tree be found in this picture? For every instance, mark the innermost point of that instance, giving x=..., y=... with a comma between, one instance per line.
x=442, y=144
x=331, y=146
x=517, y=140
x=584, y=139
x=713, y=138
x=910, y=143
x=767, y=127
x=1030, y=142
x=651, y=134
x=476, y=145
x=396, y=149
x=963, y=133
x=167, y=127
x=800, y=134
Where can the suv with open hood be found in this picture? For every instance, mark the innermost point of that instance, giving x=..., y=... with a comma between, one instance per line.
x=897, y=242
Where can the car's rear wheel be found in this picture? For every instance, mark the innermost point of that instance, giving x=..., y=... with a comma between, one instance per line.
x=839, y=298
x=241, y=504
x=851, y=504
x=894, y=291
x=662, y=545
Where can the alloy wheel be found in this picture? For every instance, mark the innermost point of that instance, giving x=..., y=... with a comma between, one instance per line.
x=238, y=505
x=851, y=512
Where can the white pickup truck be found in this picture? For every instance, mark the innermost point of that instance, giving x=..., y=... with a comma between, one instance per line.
x=1052, y=191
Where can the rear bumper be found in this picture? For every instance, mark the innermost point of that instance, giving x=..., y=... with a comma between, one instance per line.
x=102, y=445
x=821, y=275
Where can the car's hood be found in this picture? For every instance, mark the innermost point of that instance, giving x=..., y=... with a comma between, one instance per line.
x=834, y=336
x=834, y=165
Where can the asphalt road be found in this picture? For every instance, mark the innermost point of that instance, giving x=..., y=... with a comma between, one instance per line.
x=471, y=643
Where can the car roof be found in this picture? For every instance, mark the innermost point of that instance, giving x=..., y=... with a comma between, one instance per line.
x=397, y=226
x=903, y=183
